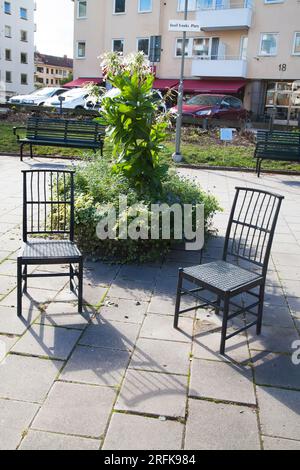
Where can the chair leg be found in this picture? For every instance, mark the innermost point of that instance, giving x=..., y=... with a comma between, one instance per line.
x=19, y=287
x=31, y=153
x=71, y=278
x=25, y=278
x=80, y=286
x=260, y=309
x=218, y=304
x=21, y=152
x=259, y=168
x=178, y=298
x=224, y=325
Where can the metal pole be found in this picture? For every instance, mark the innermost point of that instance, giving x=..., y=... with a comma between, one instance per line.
x=177, y=157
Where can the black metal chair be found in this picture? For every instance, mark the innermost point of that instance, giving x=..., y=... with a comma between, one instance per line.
x=245, y=261
x=48, y=213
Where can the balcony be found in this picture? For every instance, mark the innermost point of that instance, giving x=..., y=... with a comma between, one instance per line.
x=224, y=14
x=227, y=66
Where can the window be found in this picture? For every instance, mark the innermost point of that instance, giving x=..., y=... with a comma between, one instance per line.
x=7, y=54
x=244, y=47
x=143, y=45
x=81, y=50
x=23, y=79
x=119, y=6
x=40, y=69
x=81, y=9
x=118, y=45
x=296, y=48
x=23, y=58
x=7, y=8
x=268, y=44
x=274, y=1
x=47, y=70
x=145, y=6
x=23, y=13
x=7, y=31
x=8, y=77
x=24, y=36
x=204, y=48
x=192, y=5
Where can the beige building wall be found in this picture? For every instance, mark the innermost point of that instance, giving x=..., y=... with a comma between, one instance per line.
x=102, y=26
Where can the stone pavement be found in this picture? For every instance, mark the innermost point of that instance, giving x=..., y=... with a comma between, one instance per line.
x=119, y=376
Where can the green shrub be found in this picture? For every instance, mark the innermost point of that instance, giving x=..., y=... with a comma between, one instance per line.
x=97, y=185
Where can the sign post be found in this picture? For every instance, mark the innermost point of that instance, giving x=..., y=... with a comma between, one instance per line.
x=177, y=157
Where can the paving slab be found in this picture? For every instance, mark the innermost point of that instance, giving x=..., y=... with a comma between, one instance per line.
x=273, y=443
x=11, y=324
x=96, y=366
x=93, y=295
x=221, y=381
x=127, y=289
x=135, y=272
x=276, y=370
x=99, y=273
x=273, y=339
x=212, y=426
x=15, y=418
x=161, y=327
x=277, y=316
x=294, y=304
x=39, y=440
x=164, y=304
x=76, y=409
x=123, y=310
x=65, y=314
x=7, y=284
x=32, y=299
x=279, y=412
x=112, y=335
x=47, y=341
x=153, y=393
x=161, y=356
x=6, y=343
x=129, y=432
x=206, y=344
x=27, y=378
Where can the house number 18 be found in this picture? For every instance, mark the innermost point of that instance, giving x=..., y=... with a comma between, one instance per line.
x=282, y=67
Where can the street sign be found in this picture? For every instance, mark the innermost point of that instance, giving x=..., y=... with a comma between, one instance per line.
x=226, y=134
x=184, y=26
x=155, y=49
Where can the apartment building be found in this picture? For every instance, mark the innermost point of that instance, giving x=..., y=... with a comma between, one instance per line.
x=249, y=48
x=16, y=47
x=52, y=70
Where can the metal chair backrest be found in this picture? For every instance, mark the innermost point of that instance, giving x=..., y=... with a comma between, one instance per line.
x=251, y=227
x=48, y=203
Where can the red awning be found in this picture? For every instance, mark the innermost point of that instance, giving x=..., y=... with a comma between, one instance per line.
x=165, y=84
x=213, y=86
x=79, y=82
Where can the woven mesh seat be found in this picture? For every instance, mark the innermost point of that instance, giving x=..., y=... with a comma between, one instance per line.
x=45, y=249
x=221, y=275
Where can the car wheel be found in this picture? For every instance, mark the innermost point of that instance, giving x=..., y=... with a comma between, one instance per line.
x=79, y=107
x=41, y=104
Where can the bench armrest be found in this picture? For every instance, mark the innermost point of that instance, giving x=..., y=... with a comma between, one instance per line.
x=15, y=129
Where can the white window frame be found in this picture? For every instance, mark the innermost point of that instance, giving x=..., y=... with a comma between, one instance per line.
x=77, y=13
x=141, y=39
x=269, y=2
x=77, y=55
x=10, y=31
x=191, y=45
x=261, y=54
x=121, y=12
x=145, y=11
x=117, y=39
x=193, y=6
x=24, y=75
x=23, y=31
x=294, y=44
x=5, y=12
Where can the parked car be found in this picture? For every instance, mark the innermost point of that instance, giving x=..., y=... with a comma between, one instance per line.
x=214, y=107
x=72, y=99
x=114, y=92
x=37, y=97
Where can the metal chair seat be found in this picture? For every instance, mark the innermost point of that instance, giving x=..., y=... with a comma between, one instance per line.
x=221, y=275
x=49, y=250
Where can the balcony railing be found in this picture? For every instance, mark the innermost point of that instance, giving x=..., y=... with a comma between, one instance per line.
x=220, y=66
x=224, y=14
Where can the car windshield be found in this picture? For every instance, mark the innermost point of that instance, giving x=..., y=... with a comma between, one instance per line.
x=74, y=93
x=204, y=100
x=43, y=92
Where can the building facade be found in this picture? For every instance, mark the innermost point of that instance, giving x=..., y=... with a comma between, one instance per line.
x=51, y=70
x=250, y=48
x=16, y=47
